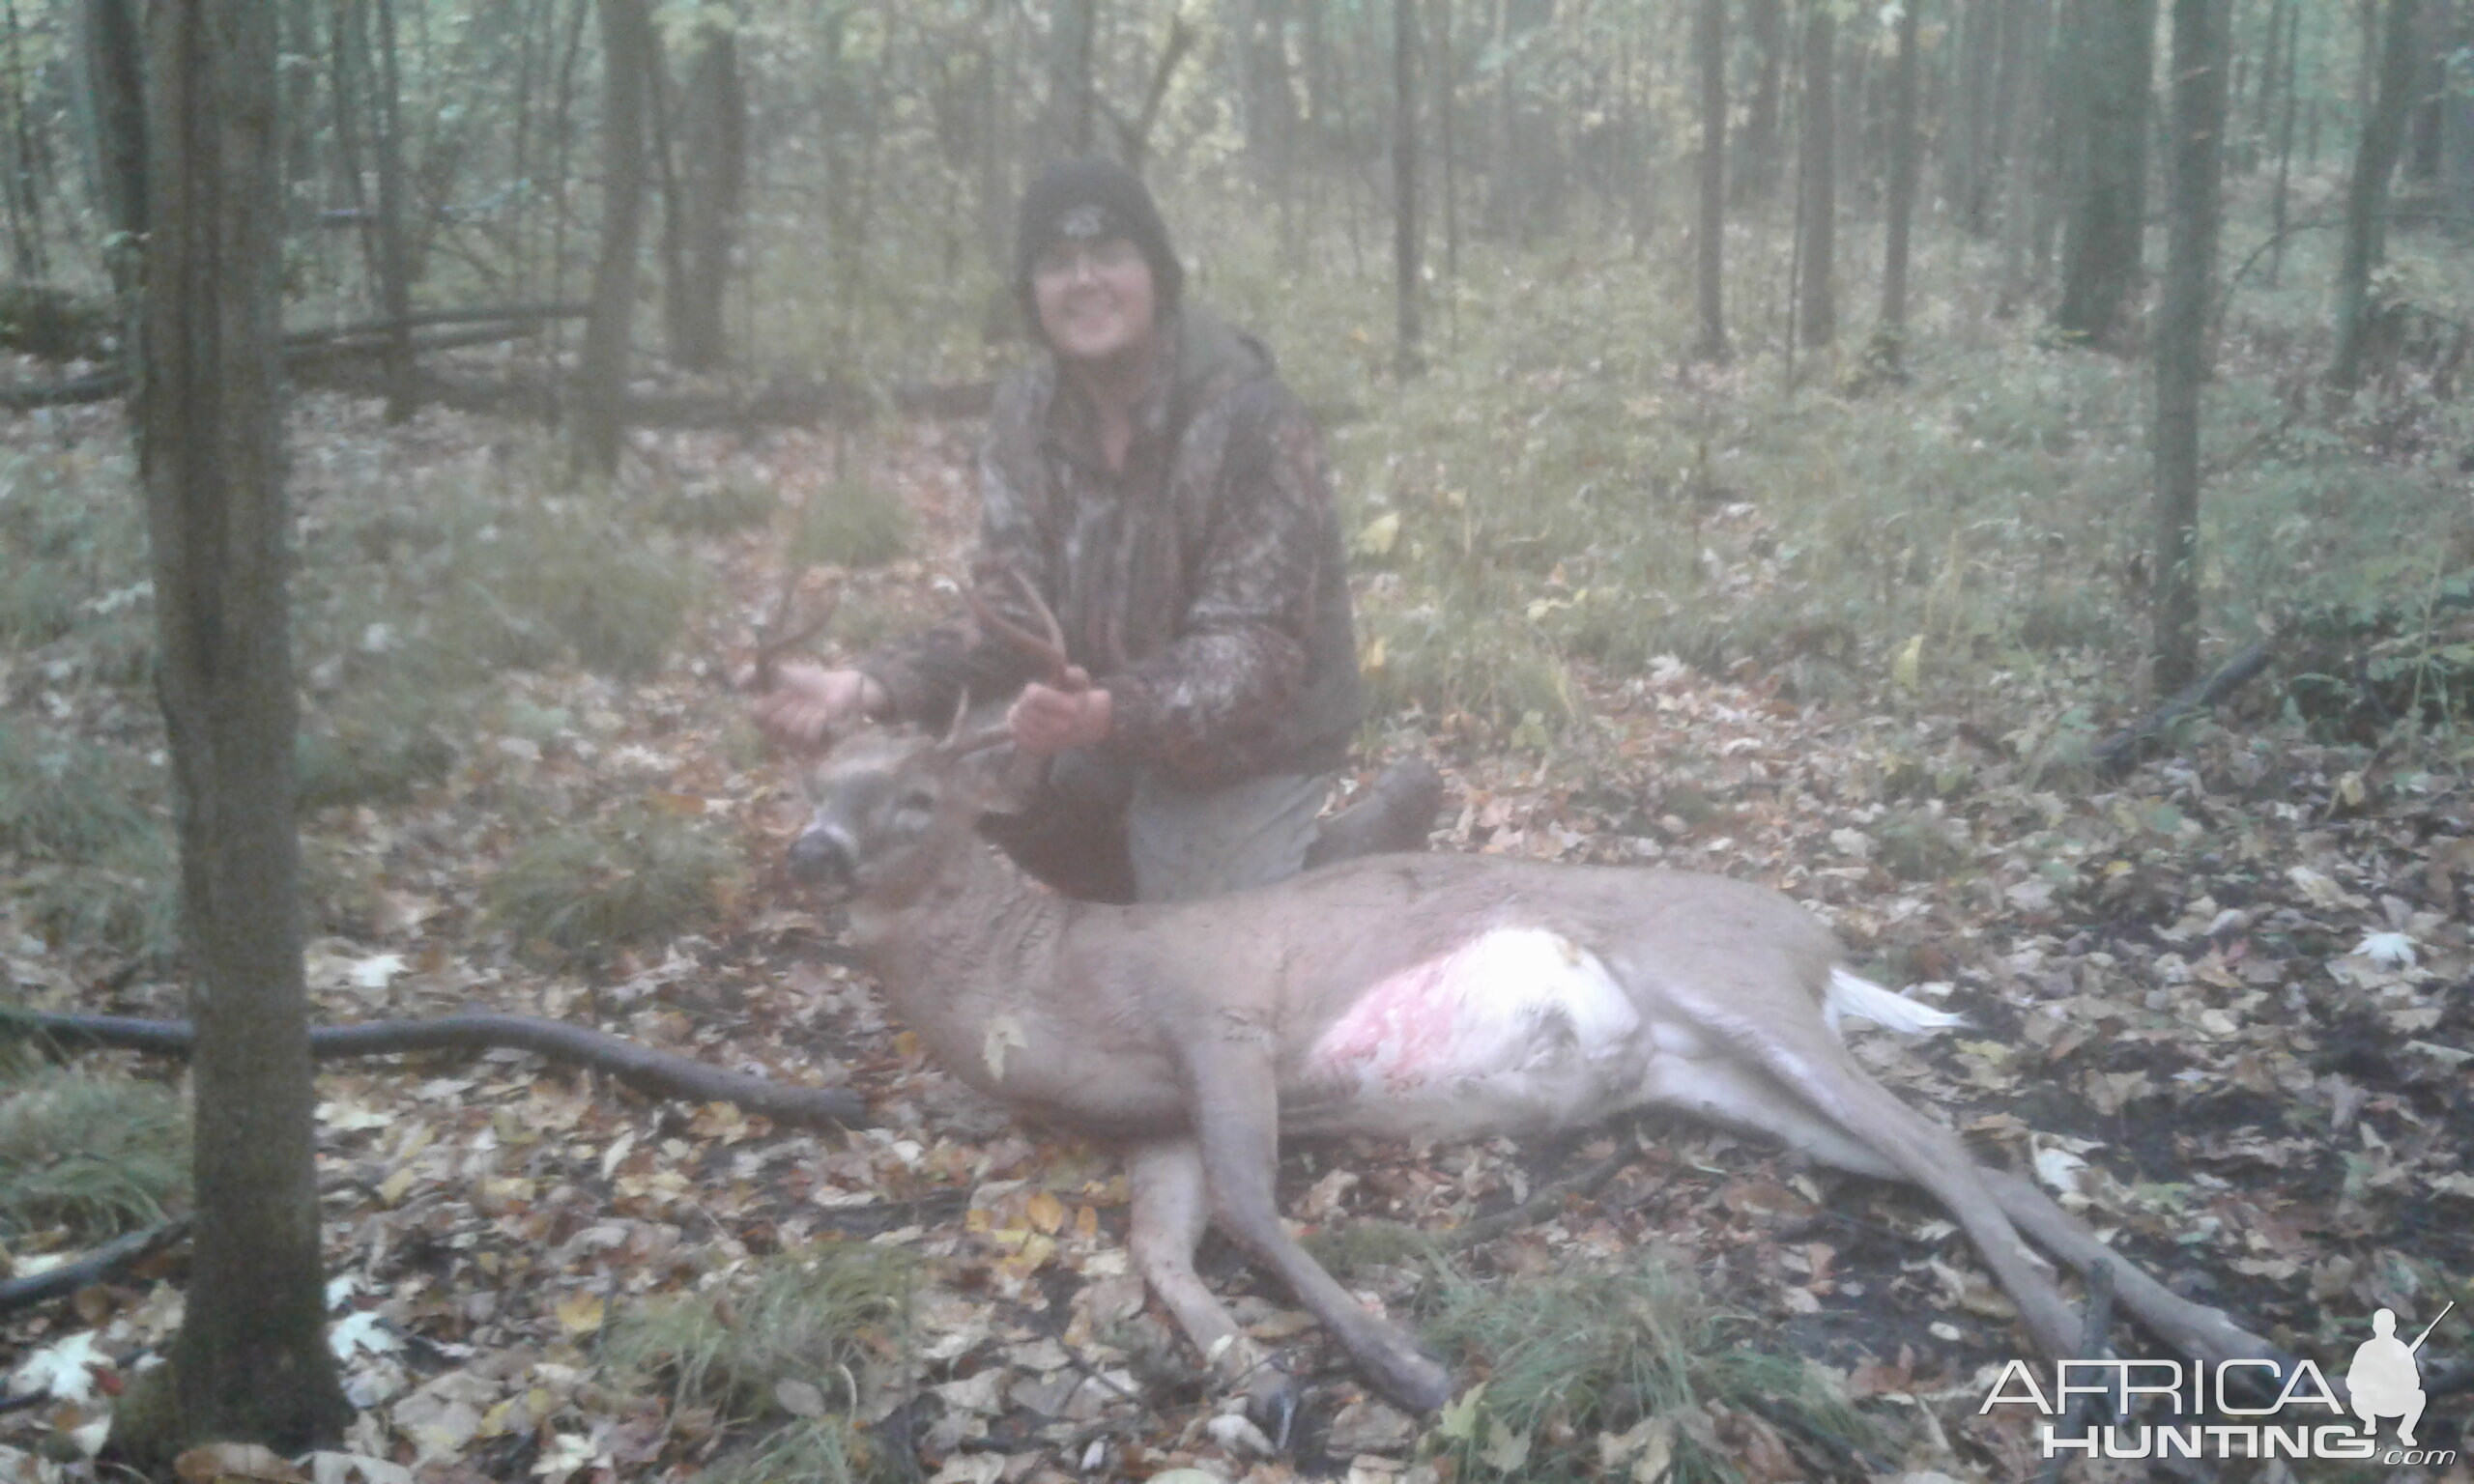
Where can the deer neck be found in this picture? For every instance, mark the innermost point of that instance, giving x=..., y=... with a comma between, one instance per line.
x=970, y=931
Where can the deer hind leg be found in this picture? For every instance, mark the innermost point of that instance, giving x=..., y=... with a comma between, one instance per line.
x=1806, y=1091
x=1171, y=1206
x=2195, y=1329
x=1237, y=1119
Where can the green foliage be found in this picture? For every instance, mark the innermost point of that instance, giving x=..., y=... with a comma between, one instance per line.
x=68, y=799
x=375, y=745
x=1572, y=1356
x=126, y=900
x=639, y=875
x=97, y=1154
x=853, y=523
x=814, y=1318
x=40, y=320
x=721, y=509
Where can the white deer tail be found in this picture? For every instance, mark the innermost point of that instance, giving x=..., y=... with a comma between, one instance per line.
x=1851, y=995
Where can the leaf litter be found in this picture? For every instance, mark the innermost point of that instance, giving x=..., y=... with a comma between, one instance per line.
x=2218, y=1006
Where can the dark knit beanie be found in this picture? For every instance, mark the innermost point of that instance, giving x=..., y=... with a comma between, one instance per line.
x=1093, y=198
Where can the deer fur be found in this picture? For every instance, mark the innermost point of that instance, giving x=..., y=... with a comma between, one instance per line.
x=1405, y=995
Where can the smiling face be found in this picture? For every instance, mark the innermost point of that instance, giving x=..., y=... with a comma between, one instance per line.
x=1096, y=299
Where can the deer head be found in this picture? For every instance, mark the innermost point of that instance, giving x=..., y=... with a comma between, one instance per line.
x=890, y=806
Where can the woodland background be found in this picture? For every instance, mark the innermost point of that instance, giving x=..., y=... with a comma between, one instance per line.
x=1813, y=442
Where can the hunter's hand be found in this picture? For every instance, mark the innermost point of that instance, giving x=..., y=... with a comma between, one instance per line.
x=809, y=703
x=1046, y=720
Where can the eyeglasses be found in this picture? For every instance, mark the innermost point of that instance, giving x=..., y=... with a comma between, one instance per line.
x=1060, y=260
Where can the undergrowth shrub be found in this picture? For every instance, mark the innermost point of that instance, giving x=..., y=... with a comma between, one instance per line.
x=636, y=876
x=126, y=900
x=716, y=509
x=67, y=799
x=814, y=1318
x=1593, y=1374
x=851, y=523
x=97, y=1153
x=375, y=745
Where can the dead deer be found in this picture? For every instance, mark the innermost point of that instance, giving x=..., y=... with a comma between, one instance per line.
x=1411, y=996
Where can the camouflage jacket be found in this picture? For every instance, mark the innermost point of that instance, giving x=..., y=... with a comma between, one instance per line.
x=1203, y=586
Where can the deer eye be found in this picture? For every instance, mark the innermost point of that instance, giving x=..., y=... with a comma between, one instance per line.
x=916, y=801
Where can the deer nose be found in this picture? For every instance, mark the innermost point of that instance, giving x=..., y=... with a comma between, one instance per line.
x=820, y=857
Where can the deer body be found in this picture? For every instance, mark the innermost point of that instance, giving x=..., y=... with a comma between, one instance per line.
x=1407, y=996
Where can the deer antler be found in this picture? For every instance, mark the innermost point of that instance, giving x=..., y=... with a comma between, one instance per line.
x=1048, y=648
x=775, y=637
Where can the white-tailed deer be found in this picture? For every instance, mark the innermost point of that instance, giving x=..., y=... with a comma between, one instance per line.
x=1425, y=996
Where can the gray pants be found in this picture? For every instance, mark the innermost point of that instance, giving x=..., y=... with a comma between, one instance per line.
x=1110, y=832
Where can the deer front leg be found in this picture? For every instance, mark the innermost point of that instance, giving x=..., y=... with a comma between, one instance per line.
x=1170, y=1209
x=1237, y=1121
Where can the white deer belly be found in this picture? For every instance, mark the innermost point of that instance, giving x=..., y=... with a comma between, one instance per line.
x=1520, y=1028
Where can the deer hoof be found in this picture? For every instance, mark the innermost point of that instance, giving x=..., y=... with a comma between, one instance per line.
x=1272, y=1403
x=1418, y=1383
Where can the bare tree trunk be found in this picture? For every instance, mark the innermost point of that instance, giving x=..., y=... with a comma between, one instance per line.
x=1889, y=341
x=1755, y=155
x=2292, y=98
x=394, y=265
x=250, y=1362
x=1068, y=129
x=1710, y=47
x=2031, y=186
x=1446, y=92
x=2101, y=247
x=116, y=104
x=1817, y=304
x=714, y=164
x=2197, y=135
x=1404, y=183
x=626, y=63
x=2383, y=134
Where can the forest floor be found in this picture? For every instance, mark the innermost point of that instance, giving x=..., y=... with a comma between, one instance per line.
x=2220, y=1004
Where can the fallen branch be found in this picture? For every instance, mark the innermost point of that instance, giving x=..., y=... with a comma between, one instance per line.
x=94, y=1267
x=654, y=1073
x=2096, y=1322
x=2117, y=752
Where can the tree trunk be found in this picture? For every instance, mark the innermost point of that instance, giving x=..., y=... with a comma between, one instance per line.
x=1756, y=173
x=1404, y=182
x=626, y=64
x=2031, y=159
x=1709, y=46
x=116, y=111
x=2197, y=140
x=1067, y=131
x=713, y=186
x=2285, y=146
x=2383, y=134
x=2101, y=245
x=251, y=1362
x=1818, y=307
x=395, y=264
x=1889, y=341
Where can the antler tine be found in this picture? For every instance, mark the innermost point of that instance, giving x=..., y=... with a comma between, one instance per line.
x=772, y=643
x=1049, y=649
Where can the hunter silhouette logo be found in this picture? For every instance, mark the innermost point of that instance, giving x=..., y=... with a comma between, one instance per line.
x=2386, y=1380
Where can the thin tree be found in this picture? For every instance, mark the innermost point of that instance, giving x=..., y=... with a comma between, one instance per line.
x=2101, y=246
x=712, y=188
x=1755, y=155
x=250, y=1362
x=1818, y=305
x=626, y=64
x=1710, y=47
x=114, y=54
x=1068, y=131
x=395, y=261
x=2197, y=138
x=1890, y=340
x=2376, y=152
x=2287, y=96
x=1404, y=183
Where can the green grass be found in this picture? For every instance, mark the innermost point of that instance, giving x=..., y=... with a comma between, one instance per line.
x=635, y=878
x=1573, y=1358
x=851, y=523
x=96, y=1154
x=816, y=1318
